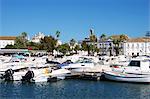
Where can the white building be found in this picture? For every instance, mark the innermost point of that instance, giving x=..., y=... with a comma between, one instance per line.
x=59, y=42
x=137, y=46
x=6, y=40
x=106, y=47
x=37, y=37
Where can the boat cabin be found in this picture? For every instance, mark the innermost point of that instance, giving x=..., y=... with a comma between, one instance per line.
x=144, y=65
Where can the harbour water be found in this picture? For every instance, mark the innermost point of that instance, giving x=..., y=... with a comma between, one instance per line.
x=74, y=89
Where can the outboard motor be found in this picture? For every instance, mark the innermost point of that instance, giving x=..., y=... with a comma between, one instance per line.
x=28, y=76
x=8, y=75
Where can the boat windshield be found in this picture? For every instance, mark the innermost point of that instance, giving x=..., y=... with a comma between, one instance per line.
x=134, y=63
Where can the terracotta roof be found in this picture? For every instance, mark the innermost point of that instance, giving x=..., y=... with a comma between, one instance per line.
x=118, y=37
x=7, y=37
x=139, y=40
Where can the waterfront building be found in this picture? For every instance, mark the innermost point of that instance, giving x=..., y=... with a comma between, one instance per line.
x=137, y=46
x=106, y=47
x=113, y=45
x=59, y=42
x=37, y=37
x=6, y=40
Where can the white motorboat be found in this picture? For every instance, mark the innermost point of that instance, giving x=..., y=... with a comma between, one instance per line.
x=34, y=74
x=84, y=64
x=46, y=74
x=19, y=61
x=114, y=60
x=138, y=70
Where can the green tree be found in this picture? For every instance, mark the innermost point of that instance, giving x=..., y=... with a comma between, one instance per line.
x=77, y=48
x=85, y=47
x=118, y=42
x=19, y=43
x=72, y=44
x=93, y=42
x=64, y=48
x=24, y=38
x=103, y=39
x=57, y=34
x=24, y=35
x=48, y=43
x=34, y=46
x=116, y=46
x=123, y=38
x=9, y=47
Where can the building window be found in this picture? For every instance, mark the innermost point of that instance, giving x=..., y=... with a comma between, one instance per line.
x=132, y=46
x=142, y=45
x=128, y=45
x=135, y=63
x=137, y=46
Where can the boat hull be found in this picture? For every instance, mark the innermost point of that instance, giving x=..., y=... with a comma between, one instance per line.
x=127, y=77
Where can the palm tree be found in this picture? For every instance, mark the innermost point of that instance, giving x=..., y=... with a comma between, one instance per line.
x=147, y=34
x=116, y=47
x=77, y=48
x=122, y=39
x=93, y=40
x=57, y=34
x=48, y=43
x=103, y=38
x=64, y=48
x=72, y=43
x=118, y=41
x=24, y=35
x=24, y=38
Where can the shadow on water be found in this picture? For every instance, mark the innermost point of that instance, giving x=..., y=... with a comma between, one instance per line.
x=74, y=89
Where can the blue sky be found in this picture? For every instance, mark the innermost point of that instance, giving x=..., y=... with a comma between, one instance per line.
x=74, y=18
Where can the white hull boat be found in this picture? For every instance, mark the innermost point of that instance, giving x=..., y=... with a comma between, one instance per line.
x=124, y=77
x=35, y=74
x=138, y=70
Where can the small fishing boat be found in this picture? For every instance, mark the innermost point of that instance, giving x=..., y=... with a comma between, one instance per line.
x=138, y=71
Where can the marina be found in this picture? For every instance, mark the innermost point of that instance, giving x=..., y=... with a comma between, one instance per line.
x=76, y=76
x=40, y=69
x=74, y=49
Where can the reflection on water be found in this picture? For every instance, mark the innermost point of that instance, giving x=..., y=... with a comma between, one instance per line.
x=75, y=89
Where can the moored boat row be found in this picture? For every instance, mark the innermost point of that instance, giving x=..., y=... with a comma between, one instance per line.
x=82, y=67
